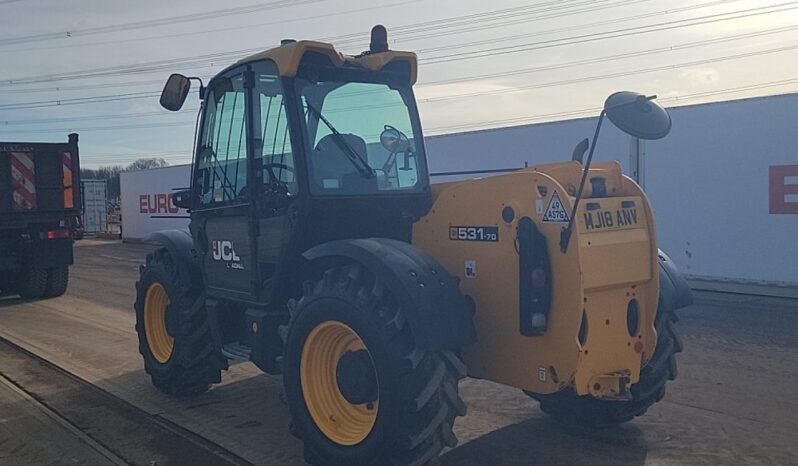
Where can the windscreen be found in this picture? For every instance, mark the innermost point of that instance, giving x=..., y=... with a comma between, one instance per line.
x=343, y=125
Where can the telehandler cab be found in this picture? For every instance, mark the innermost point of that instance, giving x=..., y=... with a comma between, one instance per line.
x=319, y=250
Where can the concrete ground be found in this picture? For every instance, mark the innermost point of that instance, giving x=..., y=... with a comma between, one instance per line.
x=733, y=402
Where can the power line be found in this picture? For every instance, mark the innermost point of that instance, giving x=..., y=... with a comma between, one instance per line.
x=200, y=59
x=109, y=98
x=592, y=111
x=570, y=28
x=214, y=30
x=97, y=99
x=79, y=100
x=106, y=128
x=229, y=55
x=608, y=58
x=82, y=87
x=610, y=75
x=94, y=117
x=624, y=32
x=156, y=22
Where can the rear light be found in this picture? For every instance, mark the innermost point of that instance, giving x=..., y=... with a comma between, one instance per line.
x=56, y=234
x=535, y=279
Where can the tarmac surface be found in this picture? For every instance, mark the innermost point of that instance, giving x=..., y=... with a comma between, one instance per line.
x=733, y=403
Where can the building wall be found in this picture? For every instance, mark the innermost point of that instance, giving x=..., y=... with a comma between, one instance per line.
x=724, y=183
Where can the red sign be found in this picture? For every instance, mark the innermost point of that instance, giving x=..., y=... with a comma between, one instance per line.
x=781, y=187
x=157, y=204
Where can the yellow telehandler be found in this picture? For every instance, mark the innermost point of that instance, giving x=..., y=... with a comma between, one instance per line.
x=319, y=250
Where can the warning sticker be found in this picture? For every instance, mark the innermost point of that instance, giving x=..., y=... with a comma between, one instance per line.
x=555, y=212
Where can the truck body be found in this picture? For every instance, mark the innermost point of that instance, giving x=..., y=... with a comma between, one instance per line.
x=40, y=202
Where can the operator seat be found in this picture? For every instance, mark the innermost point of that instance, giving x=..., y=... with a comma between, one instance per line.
x=331, y=168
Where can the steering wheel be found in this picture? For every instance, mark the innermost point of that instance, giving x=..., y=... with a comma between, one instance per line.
x=269, y=167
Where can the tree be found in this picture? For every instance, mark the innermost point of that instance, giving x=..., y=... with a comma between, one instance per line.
x=144, y=164
x=111, y=173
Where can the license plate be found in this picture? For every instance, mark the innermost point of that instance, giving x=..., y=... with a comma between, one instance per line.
x=610, y=219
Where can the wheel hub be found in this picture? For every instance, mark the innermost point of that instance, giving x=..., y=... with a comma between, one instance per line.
x=339, y=383
x=159, y=341
x=356, y=378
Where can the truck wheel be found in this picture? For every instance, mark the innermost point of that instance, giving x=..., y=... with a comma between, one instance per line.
x=172, y=325
x=360, y=391
x=57, y=281
x=32, y=283
x=571, y=408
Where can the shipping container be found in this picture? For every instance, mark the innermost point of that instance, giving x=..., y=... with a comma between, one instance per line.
x=95, y=205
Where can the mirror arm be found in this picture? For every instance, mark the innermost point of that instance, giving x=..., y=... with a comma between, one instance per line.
x=565, y=234
x=201, y=84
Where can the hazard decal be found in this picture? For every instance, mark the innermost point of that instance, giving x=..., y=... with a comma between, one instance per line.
x=555, y=212
x=23, y=178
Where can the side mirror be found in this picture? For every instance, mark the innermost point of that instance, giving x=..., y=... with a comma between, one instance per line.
x=393, y=140
x=182, y=199
x=175, y=92
x=638, y=115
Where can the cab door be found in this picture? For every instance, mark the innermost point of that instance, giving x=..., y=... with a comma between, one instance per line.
x=222, y=200
x=276, y=174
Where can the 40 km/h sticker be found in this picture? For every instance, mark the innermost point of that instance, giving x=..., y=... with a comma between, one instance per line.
x=475, y=233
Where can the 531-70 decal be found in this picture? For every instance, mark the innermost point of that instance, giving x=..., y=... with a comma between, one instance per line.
x=474, y=233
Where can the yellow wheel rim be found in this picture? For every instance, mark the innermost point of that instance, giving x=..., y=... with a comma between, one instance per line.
x=341, y=421
x=158, y=339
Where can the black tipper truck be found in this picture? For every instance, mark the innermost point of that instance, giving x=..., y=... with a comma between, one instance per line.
x=39, y=202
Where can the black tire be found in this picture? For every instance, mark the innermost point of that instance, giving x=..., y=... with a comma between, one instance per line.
x=57, y=281
x=571, y=408
x=418, y=390
x=32, y=283
x=195, y=362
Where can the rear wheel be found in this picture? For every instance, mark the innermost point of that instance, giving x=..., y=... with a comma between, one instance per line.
x=359, y=389
x=569, y=407
x=32, y=282
x=172, y=325
x=57, y=281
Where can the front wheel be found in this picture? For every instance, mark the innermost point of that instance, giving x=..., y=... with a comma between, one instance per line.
x=172, y=326
x=359, y=389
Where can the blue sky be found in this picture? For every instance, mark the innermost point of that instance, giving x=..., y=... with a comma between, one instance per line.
x=482, y=64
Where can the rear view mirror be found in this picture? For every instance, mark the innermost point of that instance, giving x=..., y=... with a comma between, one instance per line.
x=638, y=115
x=175, y=92
x=182, y=199
x=394, y=141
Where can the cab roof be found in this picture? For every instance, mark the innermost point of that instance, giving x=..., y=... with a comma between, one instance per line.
x=288, y=57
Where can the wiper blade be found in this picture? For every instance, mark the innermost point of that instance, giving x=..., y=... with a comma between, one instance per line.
x=357, y=160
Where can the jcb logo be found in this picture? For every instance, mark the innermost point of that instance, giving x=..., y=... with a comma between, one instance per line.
x=223, y=251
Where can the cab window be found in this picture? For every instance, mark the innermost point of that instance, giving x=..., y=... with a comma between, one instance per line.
x=276, y=150
x=221, y=173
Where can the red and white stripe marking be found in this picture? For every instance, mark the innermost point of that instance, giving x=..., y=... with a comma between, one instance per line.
x=23, y=175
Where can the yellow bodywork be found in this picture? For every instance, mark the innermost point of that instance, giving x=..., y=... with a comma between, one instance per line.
x=607, y=265
x=287, y=57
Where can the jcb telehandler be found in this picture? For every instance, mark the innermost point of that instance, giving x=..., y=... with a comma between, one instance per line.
x=319, y=250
